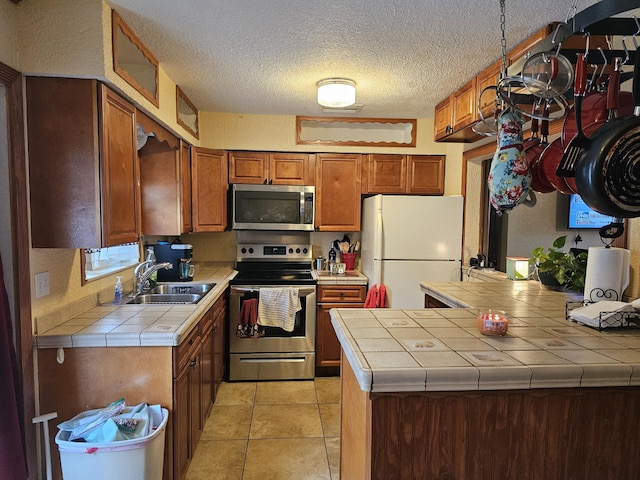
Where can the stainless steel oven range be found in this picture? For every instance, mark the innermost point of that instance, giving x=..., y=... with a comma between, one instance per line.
x=273, y=353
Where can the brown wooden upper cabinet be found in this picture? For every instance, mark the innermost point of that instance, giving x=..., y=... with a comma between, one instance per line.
x=455, y=115
x=83, y=169
x=338, y=190
x=397, y=173
x=487, y=78
x=271, y=168
x=209, y=190
x=165, y=180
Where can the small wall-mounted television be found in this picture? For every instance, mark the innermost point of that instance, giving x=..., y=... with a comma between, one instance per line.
x=582, y=216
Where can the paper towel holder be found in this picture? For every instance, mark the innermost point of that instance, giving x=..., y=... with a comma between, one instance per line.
x=612, y=231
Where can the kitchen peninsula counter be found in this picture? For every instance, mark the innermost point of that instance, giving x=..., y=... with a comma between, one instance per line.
x=425, y=395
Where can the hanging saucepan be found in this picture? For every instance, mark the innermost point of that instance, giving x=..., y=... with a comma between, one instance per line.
x=539, y=183
x=594, y=114
x=608, y=172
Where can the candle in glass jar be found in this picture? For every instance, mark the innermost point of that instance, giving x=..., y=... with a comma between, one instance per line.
x=492, y=322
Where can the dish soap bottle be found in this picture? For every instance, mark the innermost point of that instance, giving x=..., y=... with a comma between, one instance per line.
x=117, y=291
x=151, y=257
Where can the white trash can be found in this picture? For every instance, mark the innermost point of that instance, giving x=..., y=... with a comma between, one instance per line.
x=138, y=459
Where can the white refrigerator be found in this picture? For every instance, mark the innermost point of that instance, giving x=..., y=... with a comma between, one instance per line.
x=406, y=240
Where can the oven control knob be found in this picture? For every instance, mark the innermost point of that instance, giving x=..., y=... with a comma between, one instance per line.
x=243, y=250
x=291, y=250
x=297, y=250
x=304, y=250
x=250, y=250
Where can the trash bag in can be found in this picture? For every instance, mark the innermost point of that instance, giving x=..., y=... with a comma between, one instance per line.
x=134, y=452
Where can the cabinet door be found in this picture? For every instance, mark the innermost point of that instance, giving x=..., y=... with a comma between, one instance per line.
x=248, y=167
x=185, y=186
x=206, y=392
x=181, y=423
x=443, y=119
x=160, y=189
x=63, y=138
x=387, y=173
x=209, y=185
x=338, y=190
x=327, y=344
x=487, y=78
x=290, y=169
x=219, y=349
x=426, y=174
x=119, y=170
x=195, y=400
x=464, y=105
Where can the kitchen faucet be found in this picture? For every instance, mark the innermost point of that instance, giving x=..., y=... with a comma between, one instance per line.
x=143, y=271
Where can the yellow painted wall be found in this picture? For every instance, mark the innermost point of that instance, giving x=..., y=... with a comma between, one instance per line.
x=8, y=34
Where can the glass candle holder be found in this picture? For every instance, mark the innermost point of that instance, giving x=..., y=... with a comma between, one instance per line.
x=492, y=322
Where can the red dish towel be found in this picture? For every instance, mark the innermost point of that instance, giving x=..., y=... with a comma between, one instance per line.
x=248, y=324
x=376, y=297
x=382, y=297
x=372, y=297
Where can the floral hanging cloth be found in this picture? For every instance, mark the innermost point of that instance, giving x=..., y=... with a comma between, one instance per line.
x=509, y=176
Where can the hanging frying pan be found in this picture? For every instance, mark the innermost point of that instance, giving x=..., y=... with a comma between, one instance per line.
x=608, y=172
x=548, y=164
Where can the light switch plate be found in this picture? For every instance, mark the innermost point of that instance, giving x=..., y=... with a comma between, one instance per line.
x=42, y=284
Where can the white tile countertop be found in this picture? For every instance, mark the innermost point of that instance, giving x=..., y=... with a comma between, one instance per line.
x=350, y=277
x=110, y=325
x=442, y=349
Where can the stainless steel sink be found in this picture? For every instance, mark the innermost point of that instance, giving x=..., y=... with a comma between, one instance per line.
x=174, y=294
x=166, y=298
x=182, y=288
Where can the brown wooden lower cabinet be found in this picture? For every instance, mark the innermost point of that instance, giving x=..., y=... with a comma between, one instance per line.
x=183, y=379
x=564, y=433
x=432, y=302
x=327, y=344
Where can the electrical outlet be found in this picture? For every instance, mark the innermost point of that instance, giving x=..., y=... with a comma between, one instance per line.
x=42, y=284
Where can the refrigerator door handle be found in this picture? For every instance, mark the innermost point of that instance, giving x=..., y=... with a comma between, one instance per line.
x=377, y=247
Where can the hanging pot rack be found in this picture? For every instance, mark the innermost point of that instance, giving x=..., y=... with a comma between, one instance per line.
x=597, y=19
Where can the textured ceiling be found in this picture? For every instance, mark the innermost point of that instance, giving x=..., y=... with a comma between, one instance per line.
x=266, y=56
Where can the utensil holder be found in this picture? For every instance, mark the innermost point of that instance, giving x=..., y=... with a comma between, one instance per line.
x=349, y=259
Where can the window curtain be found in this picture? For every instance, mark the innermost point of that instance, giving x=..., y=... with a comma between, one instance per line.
x=12, y=458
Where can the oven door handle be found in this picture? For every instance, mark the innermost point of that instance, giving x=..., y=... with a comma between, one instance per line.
x=303, y=291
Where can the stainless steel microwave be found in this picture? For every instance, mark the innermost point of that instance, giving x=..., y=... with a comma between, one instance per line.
x=273, y=207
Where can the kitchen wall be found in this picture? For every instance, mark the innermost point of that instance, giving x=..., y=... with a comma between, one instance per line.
x=8, y=33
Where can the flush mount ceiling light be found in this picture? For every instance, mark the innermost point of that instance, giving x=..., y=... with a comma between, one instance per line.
x=336, y=92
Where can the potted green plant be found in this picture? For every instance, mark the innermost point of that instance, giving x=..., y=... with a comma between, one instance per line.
x=559, y=269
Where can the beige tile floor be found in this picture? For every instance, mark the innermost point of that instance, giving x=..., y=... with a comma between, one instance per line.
x=272, y=431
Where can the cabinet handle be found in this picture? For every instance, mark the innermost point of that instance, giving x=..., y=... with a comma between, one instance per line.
x=264, y=182
x=192, y=363
x=191, y=342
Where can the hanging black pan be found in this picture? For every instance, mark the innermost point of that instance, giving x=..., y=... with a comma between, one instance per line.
x=608, y=172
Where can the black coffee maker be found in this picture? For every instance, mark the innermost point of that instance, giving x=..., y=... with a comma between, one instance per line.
x=177, y=254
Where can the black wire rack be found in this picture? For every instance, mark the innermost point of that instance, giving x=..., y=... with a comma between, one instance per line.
x=611, y=319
